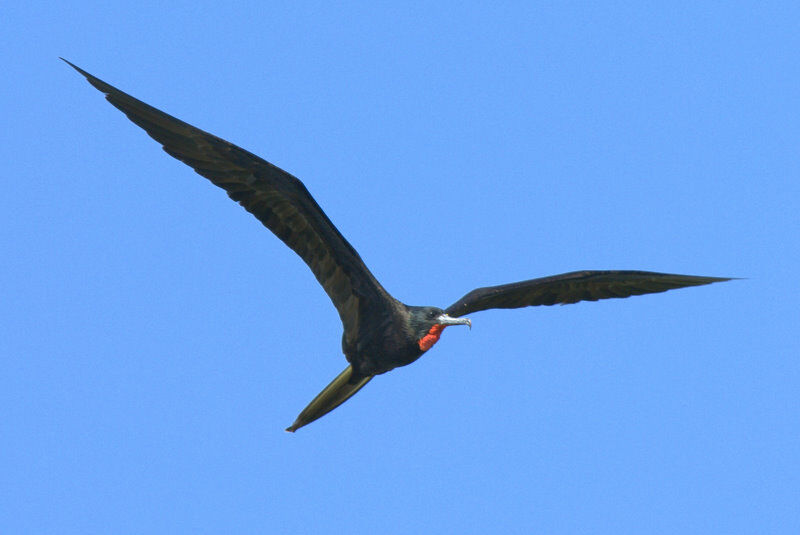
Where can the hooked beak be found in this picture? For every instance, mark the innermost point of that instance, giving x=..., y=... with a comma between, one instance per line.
x=446, y=320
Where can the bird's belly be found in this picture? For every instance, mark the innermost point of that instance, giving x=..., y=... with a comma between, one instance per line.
x=378, y=361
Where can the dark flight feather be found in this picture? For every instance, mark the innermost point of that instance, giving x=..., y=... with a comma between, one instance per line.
x=573, y=287
x=279, y=200
x=337, y=392
x=380, y=333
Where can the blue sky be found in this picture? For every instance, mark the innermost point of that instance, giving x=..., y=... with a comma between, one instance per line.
x=155, y=339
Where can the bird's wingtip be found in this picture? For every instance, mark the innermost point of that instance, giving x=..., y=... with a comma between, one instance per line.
x=724, y=279
x=68, y=62
x=84, y=73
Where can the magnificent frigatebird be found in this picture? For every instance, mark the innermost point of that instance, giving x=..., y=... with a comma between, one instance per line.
x=380, y=332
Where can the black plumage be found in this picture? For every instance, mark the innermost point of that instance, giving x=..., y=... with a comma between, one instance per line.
x=380, y=332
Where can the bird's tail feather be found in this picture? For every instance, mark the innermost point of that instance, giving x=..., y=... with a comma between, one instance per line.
x=336, y=393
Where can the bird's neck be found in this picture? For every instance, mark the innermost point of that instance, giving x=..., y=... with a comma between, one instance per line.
x=427, y=341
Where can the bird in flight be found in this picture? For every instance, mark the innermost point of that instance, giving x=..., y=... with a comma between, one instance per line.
x=380, y=332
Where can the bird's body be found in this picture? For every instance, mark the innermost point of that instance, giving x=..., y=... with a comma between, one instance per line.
x=380, y=332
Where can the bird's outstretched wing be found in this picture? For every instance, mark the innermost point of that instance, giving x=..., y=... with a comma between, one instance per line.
x=277, y=199
x=573, y=287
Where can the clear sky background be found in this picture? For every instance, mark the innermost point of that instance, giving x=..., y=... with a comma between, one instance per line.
x=155, y=339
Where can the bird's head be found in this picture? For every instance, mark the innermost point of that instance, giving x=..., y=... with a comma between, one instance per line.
x=427, y=324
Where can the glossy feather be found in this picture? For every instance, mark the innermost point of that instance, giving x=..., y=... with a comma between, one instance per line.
x=279, y=200
x=573, y=287
x=380, y=332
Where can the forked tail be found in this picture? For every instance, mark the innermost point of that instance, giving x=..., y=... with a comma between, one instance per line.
x=336, y=393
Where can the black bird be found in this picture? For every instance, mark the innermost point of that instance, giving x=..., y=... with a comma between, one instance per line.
x=380, y=332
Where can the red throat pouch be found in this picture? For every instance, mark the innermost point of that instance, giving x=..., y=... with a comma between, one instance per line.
x=427, y=341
